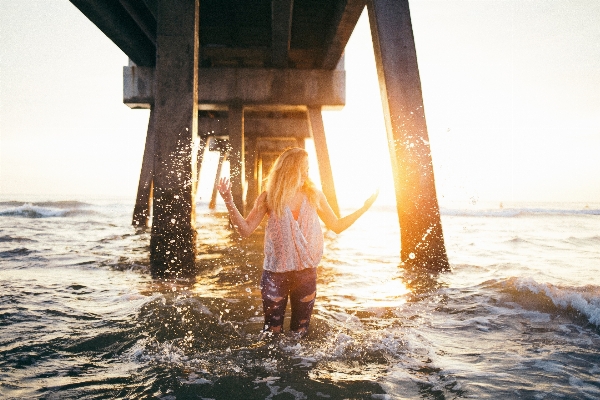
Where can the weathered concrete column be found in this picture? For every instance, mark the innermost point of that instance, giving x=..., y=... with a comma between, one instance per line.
x=202, y=142
x=235, y=128
x=317, y=131
x=422, y=241
x=141, y=211
x=173, y=239
x=251, y=173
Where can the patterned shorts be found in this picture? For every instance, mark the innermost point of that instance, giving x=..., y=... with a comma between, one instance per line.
x=299, y=286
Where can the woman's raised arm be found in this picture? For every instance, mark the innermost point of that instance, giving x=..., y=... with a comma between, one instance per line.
x=336, y=224
x=243, y=226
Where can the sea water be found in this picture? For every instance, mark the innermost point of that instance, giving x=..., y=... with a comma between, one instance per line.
x=517, y=317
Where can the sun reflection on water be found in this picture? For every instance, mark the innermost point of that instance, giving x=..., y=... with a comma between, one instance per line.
x=350, y=287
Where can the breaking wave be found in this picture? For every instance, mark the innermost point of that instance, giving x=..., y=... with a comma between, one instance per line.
x=44, y=209
x=579, y=301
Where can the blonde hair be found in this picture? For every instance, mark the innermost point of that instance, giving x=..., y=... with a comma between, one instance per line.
x=285, y=179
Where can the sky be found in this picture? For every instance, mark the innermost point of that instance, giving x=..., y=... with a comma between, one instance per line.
x=510, y=88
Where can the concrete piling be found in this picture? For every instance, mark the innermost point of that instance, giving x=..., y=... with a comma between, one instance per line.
x=251, y=160
x=235, y=130
x=213, y=198
x=421, y=238
x=173, y=236
x=317, y=129
x=142, y=209
x=202, y=143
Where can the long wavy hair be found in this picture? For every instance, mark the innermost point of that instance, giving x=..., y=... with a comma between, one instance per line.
x=285, y=179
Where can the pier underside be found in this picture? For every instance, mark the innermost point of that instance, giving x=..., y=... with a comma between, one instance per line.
x=248, y=78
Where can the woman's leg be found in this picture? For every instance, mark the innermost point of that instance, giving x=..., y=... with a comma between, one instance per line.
x=274, y=288
x=303, y=292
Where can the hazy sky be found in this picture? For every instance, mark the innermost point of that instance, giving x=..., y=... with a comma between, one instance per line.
x=511, y=91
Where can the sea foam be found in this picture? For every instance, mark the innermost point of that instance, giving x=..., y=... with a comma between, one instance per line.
x=585, y=300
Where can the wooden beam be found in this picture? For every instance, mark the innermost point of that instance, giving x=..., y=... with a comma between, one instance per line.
x=114, y=21
x=346, y=16
x=317, y=129
x=422, y=241
x=281, y=31
x=152, y=7
x=142, y=16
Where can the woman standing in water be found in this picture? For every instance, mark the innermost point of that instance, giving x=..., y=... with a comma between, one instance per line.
x=293, y=237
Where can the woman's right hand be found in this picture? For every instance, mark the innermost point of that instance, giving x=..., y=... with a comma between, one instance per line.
x=224, y=188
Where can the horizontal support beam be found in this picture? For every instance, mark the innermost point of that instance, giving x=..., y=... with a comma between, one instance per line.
x=257, y=127
x=247, y=86
x=138, y=86
x=250, y=86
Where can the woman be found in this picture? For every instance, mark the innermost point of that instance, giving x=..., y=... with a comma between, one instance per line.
x=293, y=237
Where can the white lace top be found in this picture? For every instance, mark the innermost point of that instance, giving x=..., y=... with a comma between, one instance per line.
x=292, y=245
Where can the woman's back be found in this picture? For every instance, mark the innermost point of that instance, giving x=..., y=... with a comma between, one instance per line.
x=294, y=240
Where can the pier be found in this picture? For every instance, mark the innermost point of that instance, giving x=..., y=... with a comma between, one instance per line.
x=249, y=78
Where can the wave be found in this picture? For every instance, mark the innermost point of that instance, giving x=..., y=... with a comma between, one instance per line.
x=21, y=251
x=517, y=212
x=69, y=204
x=583, y=301
x=44, y=209
x=32, y=211
x=593, y=240
x=8, y=238
x=517, y=239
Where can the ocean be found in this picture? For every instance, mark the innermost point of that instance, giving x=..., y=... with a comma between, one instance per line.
x=517, y=317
